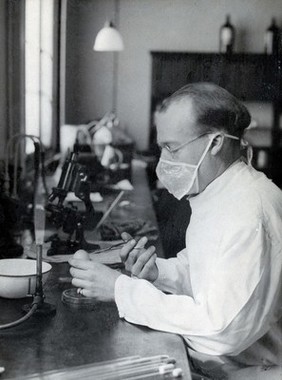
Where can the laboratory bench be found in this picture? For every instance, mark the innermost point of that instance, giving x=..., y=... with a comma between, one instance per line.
x=83, y=335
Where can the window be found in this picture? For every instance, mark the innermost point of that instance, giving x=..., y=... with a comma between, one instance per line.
x=40, y=71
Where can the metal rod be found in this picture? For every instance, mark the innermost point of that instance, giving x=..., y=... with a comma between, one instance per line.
x=39, y=286
x=39, y=230
x=107, y=213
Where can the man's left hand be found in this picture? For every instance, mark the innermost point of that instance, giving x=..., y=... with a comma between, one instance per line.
x=96, y=280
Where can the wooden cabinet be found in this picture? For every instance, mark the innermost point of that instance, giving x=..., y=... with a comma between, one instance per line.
x=253, y=77
x=250, y=77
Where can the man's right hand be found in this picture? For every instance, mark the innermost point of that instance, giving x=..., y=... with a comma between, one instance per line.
x=139, y=261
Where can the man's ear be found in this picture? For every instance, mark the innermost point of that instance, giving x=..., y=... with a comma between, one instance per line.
x=217, y=144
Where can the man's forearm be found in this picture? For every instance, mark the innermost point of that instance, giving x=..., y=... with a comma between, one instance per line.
x=173, y=277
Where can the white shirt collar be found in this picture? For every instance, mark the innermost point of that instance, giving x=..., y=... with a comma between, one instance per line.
x=219, y=183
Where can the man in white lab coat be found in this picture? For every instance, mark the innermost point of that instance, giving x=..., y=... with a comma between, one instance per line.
x=223, y=292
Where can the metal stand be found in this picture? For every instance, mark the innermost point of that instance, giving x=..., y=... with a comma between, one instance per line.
x=42, y=308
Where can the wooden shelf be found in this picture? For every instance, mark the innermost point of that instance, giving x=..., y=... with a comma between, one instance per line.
x=253, y=77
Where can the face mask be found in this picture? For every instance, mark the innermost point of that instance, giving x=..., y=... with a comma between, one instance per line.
x=180, y=178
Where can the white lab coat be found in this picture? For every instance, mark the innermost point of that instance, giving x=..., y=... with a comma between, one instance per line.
x=226, y=286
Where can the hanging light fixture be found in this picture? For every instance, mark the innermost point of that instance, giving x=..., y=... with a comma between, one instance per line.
x=108, y=39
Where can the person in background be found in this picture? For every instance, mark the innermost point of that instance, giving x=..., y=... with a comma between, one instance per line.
x=223, y=292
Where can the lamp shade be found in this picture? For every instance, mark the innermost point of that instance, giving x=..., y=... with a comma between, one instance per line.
x=108, y=39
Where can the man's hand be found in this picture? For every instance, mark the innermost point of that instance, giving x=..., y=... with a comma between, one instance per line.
x=139, y=261
x=96, y=280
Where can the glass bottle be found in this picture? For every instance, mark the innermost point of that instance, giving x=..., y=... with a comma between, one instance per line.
x=271, y=38
x=226, y=37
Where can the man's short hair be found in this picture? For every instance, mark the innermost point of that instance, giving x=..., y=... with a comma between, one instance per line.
x=215, y=107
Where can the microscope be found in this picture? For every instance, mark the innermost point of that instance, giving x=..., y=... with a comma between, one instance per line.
x=68, y=218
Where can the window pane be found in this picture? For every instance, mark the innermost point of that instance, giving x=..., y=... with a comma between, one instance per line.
x=39, y=63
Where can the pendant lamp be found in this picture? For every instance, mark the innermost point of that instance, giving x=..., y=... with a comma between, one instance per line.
x=108, y=39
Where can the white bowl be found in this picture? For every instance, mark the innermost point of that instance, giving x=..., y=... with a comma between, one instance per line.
x=18, y=277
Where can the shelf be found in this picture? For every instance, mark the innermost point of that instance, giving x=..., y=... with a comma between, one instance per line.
x=260, y=137
x=252, y=77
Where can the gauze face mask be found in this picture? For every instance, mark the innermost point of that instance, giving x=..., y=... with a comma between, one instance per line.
x=180, y=178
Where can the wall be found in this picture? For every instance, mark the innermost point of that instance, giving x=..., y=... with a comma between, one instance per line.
x=89, y=74
x=3, y=75
x=146, y=25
